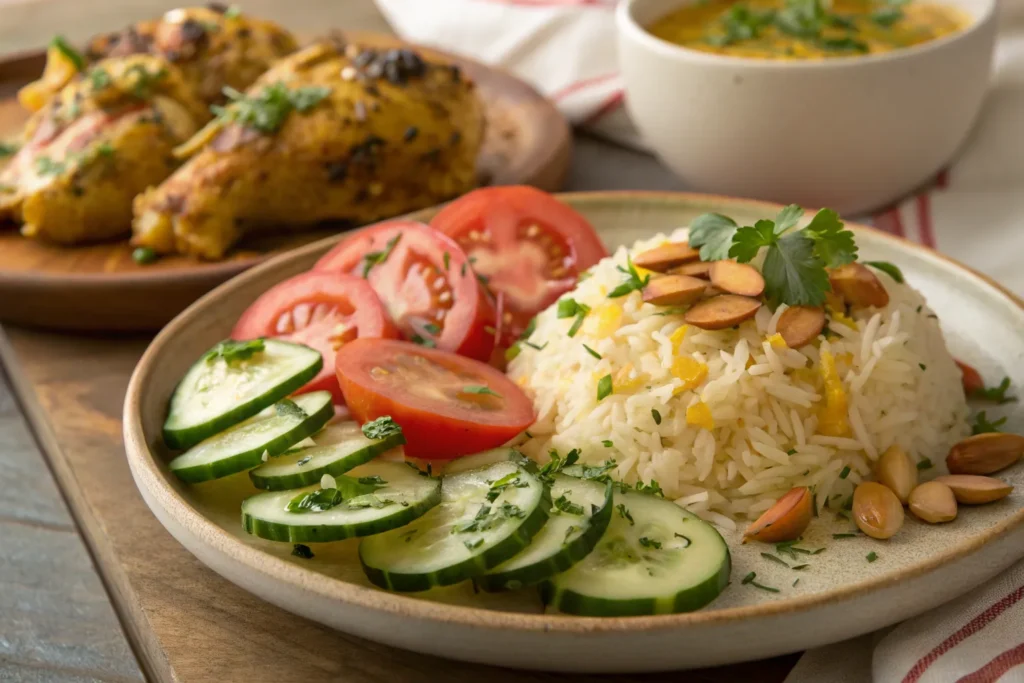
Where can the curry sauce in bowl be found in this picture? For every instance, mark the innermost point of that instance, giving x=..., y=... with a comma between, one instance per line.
x=806, y=29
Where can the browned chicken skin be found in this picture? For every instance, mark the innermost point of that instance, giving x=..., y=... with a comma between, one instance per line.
x=330, y=133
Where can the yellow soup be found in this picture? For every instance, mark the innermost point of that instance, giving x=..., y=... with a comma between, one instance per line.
x=806, y=29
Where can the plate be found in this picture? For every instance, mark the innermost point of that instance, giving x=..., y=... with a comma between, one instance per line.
x=840, y=595
x=99, y=288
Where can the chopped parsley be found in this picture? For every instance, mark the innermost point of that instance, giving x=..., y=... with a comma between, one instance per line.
x=604, y=387
x=633, y=283
x=777, y=560
x=845, y=473
x=143, y=255
x=594, y=472
x=750, y=579
x=983, y=426
x=99, y=79
x=649, y=543
x=375, y=480
x=144, y=81
x=303, y=551
x=423, y=341
x=656, y=415
x=47, y=166
x=266, y=112
x=381, y=428
x=997, y=393
x=624, y=513
x=922, y=366
x=232, y=351
x=651, y=489
x=838, y=536
x=607, y=443
x=795, y=264
x=320, y=500
x=592, y=352
x=889, y=269
x=556, y=464
x=8, y=148
x=872, y=556
x=289, y=408
x=474, y=389
x=569, y=308
x=563, y=504
x=374, y=258
x=72, y=55
x=233, y=12
x=497, y=487
x=925, y=464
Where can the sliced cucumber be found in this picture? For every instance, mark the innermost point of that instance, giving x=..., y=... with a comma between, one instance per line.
x=580, y=516
x=243, y=446
x=403, y=495
x=219, y=391
x=484, y=459
x=485, y=517
x=655, y=558
x=347, y=448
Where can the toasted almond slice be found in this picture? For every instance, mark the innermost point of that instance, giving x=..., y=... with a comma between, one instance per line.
x=670, y=255
x=858, y=285
x=737, y=278
x=972, y=489
x=701, y=269
x=674, y=290
x=876, y=510
x=985, y=453
x=800, y=325
x=785, y=520
x=933, y=502
x=720, y=312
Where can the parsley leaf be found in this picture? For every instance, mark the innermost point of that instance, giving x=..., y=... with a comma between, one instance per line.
x=624, y=513
x=887, y=268
x=320, y=500
x=983, y=426
x=604, y=387
x=232, y=351
x=563, y=504
x=713, y=234
x=788, y=218
x=832, y=244
x=381, y=428
x=793, y=274
x=267, y=110
x=749, y=240
x=997, y=394
x=648, y=543
x=289, y=408
x=633, y=282
x=592, y=352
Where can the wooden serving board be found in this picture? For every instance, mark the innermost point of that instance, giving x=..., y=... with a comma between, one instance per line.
x=100, y=288
x=186, y=623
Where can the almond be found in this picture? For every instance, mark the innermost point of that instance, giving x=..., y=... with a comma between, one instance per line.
x=667, y=256
x=721, y=312
x=701, y=269
x=895, y=470
x=674, y=290
x=933, y=502
x=858, y=286
x=985, y=453
x=784, y=521
x=876, y=510
x=972, y=489
x=737, y=278
x=800, y=325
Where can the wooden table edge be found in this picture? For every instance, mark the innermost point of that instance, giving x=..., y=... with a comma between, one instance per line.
x=141, y=638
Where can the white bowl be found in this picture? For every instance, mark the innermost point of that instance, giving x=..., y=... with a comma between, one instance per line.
x=852, y=133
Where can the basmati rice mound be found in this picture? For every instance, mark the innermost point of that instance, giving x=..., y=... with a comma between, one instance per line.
x=727, y=433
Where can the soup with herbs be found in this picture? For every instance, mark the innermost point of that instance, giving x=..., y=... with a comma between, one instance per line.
x=806, y=29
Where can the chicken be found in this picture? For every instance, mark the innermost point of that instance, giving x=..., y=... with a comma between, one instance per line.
x=333, y=132
x=213, y=47
x=102, y=138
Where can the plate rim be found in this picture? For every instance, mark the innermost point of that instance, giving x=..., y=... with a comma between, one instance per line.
x=145, y=467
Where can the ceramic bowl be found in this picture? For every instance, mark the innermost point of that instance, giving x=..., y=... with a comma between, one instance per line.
x=851, y=133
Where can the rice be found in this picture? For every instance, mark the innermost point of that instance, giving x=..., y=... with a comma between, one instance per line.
x=727, y=445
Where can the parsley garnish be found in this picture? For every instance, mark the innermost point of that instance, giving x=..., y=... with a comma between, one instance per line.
x=887, y=16
x=497, y=487
x=888, y=268
x=568, y=308
x=73, y=55
x=289, y=408
x=983, y=426
x=592, y=352
x=8, y=148
x=775, y=559
x=741, y=23
x=447, y=258
x=303, y=551
x=651, y=489
x=713, y=233
x=607, y=443
x=320, y=500
x=838, y=536
x=593, y=472
x=604, y=387
x=305, y=460
x=480, y=390
x=845, y=473
x=381, y=428
x=925, y=464
x=267, y=111
x=47, y=166
x=997, y=394
x=563, y=504
x=656, y=415
x=232, y=351
x=145, y=81
x=374, y=258
x=556, y=464
x=633, y=281
x=423, y=341
x=99, y=79
x=846, y=43
x=233, y=12
x=749, y=579
x=648, y=543
x=624, y=513
x=872, y=556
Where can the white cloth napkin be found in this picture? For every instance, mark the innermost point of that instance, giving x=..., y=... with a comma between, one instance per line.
x=975, y=213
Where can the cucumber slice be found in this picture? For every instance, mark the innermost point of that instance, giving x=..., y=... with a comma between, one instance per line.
x=242, y=447
x=347, y=448
x=665, y=560
x=485, y=517
x=218, y=392
x=404, y=496
x=569, y=535
x=484, y=459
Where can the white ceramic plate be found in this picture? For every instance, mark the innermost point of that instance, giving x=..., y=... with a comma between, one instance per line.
x=839, y=596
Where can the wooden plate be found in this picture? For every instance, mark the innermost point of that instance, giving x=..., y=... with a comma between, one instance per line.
x=99, y=287
x=840, y=595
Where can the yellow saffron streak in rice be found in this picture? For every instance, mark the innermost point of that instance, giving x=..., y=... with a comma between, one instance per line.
x=832, y=420
x=623, y=383
x=677, y=338
x=777, y=342
x=699, y=415
x=691, y=372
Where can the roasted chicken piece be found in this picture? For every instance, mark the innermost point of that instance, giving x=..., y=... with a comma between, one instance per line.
x=213, y=47
x=333, y=132
x=102, y=139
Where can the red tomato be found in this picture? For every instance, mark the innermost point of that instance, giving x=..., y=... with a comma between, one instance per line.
x=971, y=379
x=321, y=310
x=529, y=246
x=447, y=405
x=425, y=283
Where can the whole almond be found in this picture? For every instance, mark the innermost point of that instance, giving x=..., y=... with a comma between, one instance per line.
x=737, y=278
x=985, y=453
x=670, y=255
x=876, y=510
x=784, y=521
x=858, y=285
x=674, y=290
x=895, y=470
x=973, y=489
x=800, y=325
x=933, y=502
x=721, y=312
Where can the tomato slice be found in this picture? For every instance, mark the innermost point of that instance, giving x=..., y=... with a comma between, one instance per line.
x=321, y=310
x=424, y=281
x=447, y=405
x=529, y=246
